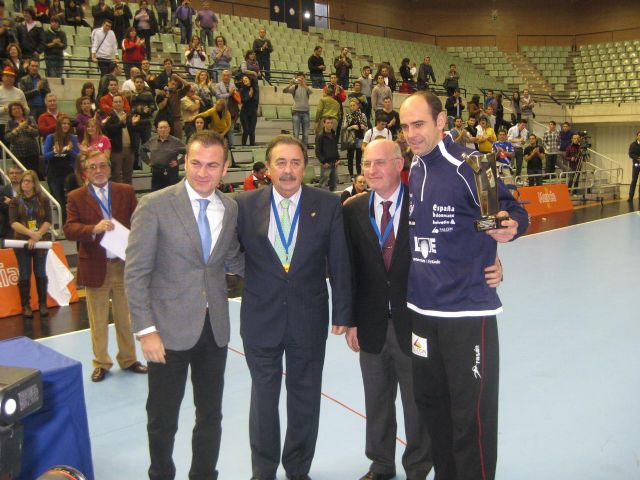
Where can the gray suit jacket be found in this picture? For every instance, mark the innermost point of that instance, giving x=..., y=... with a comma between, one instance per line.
x=168, y=283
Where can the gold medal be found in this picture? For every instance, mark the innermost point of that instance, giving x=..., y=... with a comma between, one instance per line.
x=286, y=267
x=32, y=225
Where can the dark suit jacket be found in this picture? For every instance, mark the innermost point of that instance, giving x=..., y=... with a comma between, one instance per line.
x=83, y=213
x=373, y=286
x=5, y=228
x=275, y=302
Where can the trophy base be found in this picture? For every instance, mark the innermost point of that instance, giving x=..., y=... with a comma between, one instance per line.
x=490, y=222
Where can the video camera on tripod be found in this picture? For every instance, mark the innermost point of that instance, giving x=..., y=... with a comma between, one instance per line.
x=585, y=141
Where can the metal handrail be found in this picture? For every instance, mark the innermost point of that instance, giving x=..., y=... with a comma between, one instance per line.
x=614, y=163
x=56, y=210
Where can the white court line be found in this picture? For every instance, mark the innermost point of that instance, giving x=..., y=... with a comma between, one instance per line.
x=578, y=225
x=62, y=334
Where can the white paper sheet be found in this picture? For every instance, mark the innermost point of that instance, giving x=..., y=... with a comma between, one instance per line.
x=116, y=240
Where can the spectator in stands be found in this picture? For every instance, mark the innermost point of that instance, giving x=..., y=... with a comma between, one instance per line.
x=328, y=107
x=490, y=116
x=361, y=97
x=176, y=90
x=195, y=57
x=356, y=121
x=503, y=149
x=343, y=65
x=84, y=113
x=250, y=65
x=162, y=80
x=473, y=107
x=30, y=34
x=133, y=51
x=634, y=155
x=393, y=118
x=380, y=130
x=301, y=92
x=551, y=142
x=57, y=11
x=128, y=85
x=42, y=11
x=489, y=99
x=379, y=93
x=472, y=130
x=15, y=60
x=258, y=177
x=527, y=105
x=149, y=76
x=78, y=178
x=263, y=48
x=22, y=137
x=572, y=159
x=60, y=150
x=207, y=21
x=7, y=193
x=517, y=135
x=425, y=73
x=184, y=18
x=366, y=83
x=35, y=88
x=250, y=95
x=101, y=12
x=328, y=155
x=454, y=107
x=114, y=71
x=104, y=47
x=122, y=17
x=200, y=124
x=94, y=140
x=405, y=74
x=227, y=90
x=48, y=120
x=451, y=79
x=389, y=76
x=8, y=94
x=106, y=101
x=146, y=24
x=162, y=7
x=113, y=124
x=205, y=90
x=74, y=14
x=143, y=106
x=566, y=134
x=500, y=123
x=30, y=218
x=89, y=90
x=359, y=185
x=486, y=136
x=221, y=56
x=316, y=67
x=7, y=37
x=189, y=108
x=55, y=45
x=163, y=153
x=517, y=108
x=20, y=5
x=534, y=156
x=220, y=117
x=458, y=133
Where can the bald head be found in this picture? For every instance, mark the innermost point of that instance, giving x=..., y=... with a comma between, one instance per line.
x=382, y=165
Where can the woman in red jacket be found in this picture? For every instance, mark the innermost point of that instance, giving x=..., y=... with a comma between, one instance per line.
x=133, y=50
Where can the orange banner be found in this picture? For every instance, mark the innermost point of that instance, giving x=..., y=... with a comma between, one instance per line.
x=9, y=294
x=545, y=199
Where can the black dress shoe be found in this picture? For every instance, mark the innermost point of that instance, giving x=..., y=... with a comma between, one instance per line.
x=98, y=374
x=137, y=367
x=298, y=477
x=378, y=476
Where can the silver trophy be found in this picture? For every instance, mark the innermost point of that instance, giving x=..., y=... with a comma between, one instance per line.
x=485, y=174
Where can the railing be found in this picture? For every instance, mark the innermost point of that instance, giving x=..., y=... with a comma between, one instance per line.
x=8, y=159
x=606, y=163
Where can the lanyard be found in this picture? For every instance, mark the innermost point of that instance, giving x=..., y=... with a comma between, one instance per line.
x=106, y=209
x=372, y=217
x=29, y=207
x=286, y=243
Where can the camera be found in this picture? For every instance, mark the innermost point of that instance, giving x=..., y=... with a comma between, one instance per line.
x=585, y=140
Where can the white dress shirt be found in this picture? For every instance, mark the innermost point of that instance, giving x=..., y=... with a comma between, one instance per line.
x=103, y=192
x=273, y=229
x=378, y=209
x=215, y=212
x=514, y=134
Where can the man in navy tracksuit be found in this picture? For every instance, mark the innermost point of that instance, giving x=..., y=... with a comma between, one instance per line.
x=455, y=334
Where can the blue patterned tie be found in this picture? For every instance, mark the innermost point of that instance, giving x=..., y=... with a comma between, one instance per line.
x=205, y=230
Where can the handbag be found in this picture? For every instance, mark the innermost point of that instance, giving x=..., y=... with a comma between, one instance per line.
x=347, y=139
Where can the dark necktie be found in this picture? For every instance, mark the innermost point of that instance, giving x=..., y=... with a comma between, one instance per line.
x=387, y=247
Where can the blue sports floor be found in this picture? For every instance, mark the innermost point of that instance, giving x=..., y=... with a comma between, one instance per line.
x=570, y=374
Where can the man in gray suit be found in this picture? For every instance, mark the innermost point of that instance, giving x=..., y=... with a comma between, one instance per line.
x=181, y=239
x=291, y=234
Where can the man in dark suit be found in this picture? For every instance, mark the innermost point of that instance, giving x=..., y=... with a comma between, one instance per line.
x=91, y=211
x=7, y=192
x=182, y=239
x=380, y=259
x=290, y=233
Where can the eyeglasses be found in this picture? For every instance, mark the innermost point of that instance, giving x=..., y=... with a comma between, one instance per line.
x=101, y=166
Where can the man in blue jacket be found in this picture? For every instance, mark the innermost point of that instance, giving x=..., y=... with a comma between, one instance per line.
x=454, y=329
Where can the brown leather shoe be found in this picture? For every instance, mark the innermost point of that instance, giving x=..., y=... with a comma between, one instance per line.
x=137, y=367
x=98, y=374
